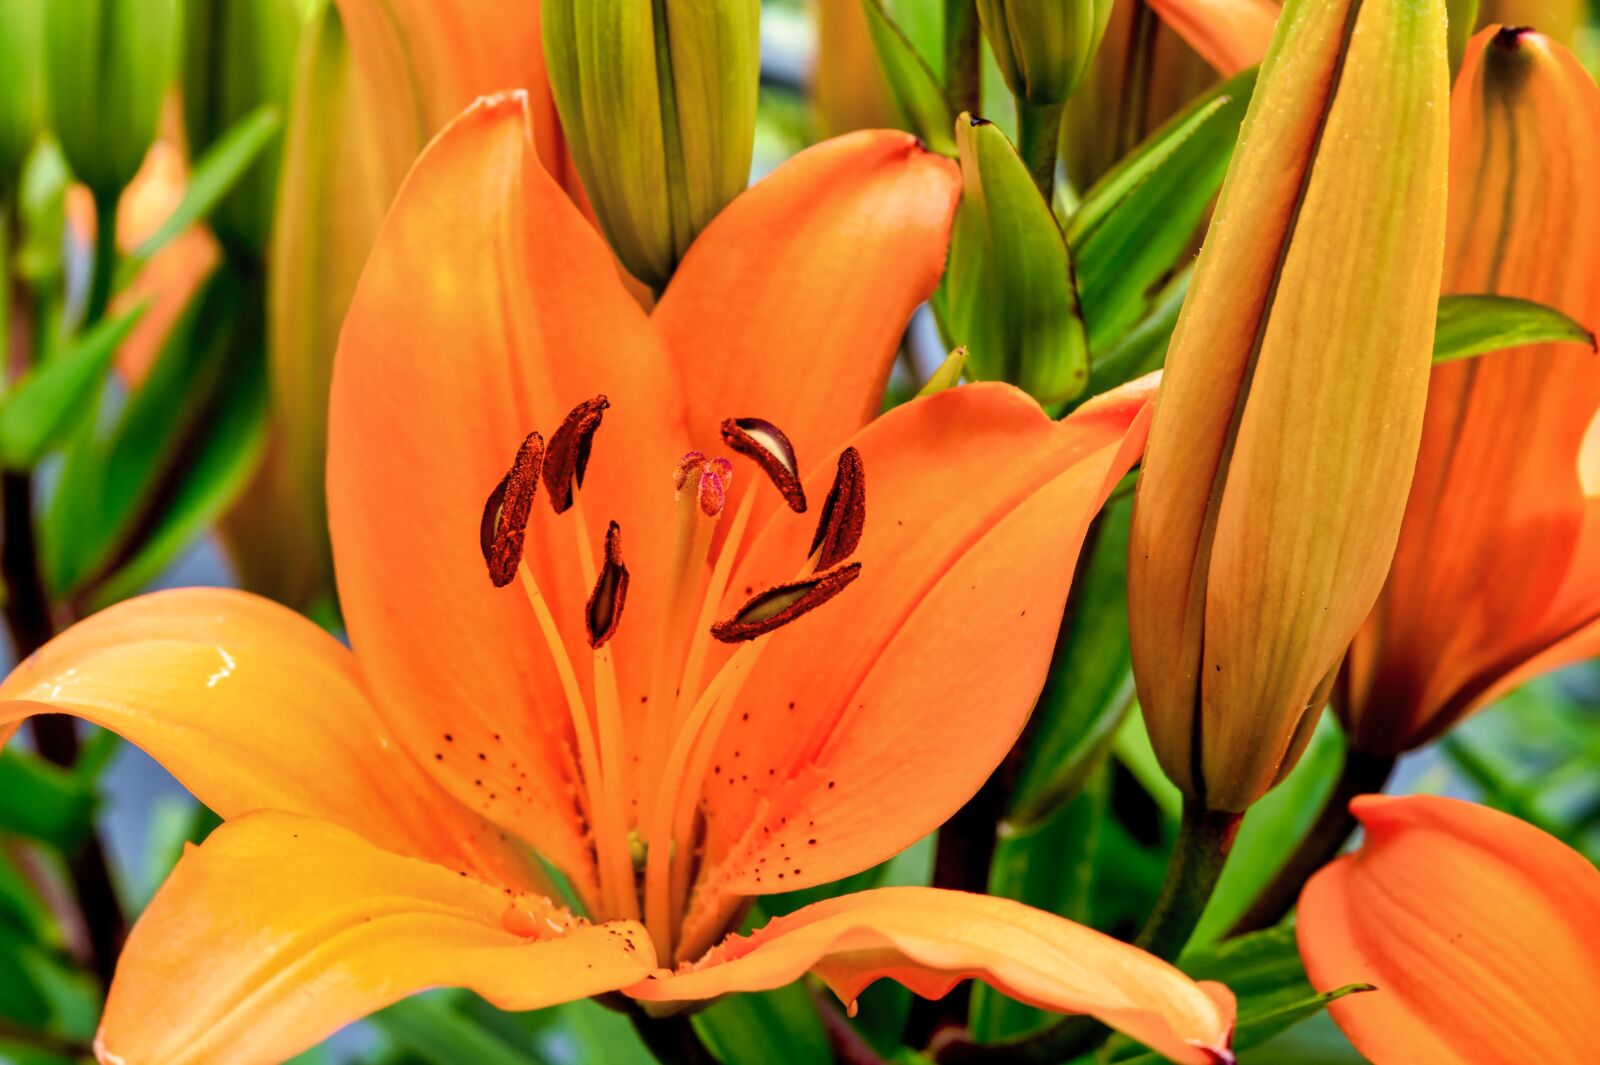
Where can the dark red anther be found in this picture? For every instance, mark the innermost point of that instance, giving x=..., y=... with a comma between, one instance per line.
x=604, y=613
x=778, y=606
x=766, y=445
x=506, y=511
x=844, y=512
x=568, y=459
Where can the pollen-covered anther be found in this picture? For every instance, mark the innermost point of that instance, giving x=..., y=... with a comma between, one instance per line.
x=687, y=467
x=844, y=512
x=568, y=457
x=712, y=492
x=506, y=511
x=604, y=612
x=766, y=445
x=778, y=606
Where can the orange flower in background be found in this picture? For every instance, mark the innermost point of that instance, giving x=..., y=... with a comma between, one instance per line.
x=1230, y=34
x=1477, y=929
x=652, y=685
x=1497, y=574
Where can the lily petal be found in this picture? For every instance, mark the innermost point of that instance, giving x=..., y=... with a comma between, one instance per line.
x=1230, y=34
x=870, y=721
x=279, y=930
x=930, y=940
x=1478, y=930
x=250, y=705
x=791, y=304
x=490, y=308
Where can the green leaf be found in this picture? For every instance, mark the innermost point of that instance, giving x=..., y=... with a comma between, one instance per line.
x=216, y=173
x=948, y=375
x=777, y=1025
x=916, y=88
x=181, y=451
x=42, y=993
x=55, y=396
x=1137, y=223
x=44, y=802
x=430, y=1026
x=1144, y=347
x=1008, y=294
x=1476, y=325
x=1090, y=685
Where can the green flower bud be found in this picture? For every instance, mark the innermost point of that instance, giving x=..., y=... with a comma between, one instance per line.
x=239, y=54
x=1043, y=47
x=21, y=87
x=658, y=101
x=107, y=65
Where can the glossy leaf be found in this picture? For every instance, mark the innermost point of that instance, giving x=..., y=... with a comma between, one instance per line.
x=1477, y=325
x=915, y=87
x=1138, y=222
x=44, y=802
x=777, y=1025
x=53, y=398
x=1009, y=296
x=216, y=173
x=1143, y=348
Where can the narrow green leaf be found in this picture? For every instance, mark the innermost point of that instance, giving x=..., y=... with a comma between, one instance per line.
x=1137, y=223
x=948, y=375
x=1144, y=347
x=1090, y=685
x=777, y=1025
x=216, y=173
x=916, y=88
x=53, y=398
x=429, y=1026
x=44, y=802
x=1008, y=293
x=1476, y=325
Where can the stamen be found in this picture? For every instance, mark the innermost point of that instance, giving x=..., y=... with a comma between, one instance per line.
x=715, y=476
x=604, y=613
x=778, y=606
x=764, y=444
x=844, y=512
x=568, y=459
x=505, y=513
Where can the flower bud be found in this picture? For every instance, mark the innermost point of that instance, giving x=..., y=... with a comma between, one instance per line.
x=1044, y=47
x=108, y=63
x=239, y=54
x=1287, y=424
x=660, y=115
x=1497, y=574
x=21, y=87
x=848, y=86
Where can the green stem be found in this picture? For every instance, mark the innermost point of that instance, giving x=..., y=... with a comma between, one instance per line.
x=1362, y=773
x=671, y=1039
x=963, y=55
x=1039, y=142
x=1136, y=79
x=1204, y=839
x=105, y=259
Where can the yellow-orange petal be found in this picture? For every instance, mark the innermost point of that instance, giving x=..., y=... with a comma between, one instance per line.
x=1477, y=929
x=250, y=705
x=280, y=929
x=488, y=309
x=1230, y=34
x=790, y=305
x=871, y=720
x=930, y=940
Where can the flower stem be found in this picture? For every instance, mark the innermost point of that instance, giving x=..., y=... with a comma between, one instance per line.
x=671, y=1039
x=1039, y=142
x=1204, y=839
x=1362, y=773
x=963, y=70
x=104, y=268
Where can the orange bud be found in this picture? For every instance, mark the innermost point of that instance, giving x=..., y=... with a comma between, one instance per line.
x=1284, y=435
x=1477, y=930
x=1497, y=575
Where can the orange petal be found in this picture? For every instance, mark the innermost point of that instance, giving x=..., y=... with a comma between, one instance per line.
x=250, y=705
x=871, y=720
x=930, y=940
x=1478, y=930
x=490, y=308
x=279, y=930
x=791, y=304
x=1230, y=34
x=1498, y=476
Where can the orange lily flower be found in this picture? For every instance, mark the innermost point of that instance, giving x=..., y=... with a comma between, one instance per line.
x=1230, y=34
x=674, y=740
x=1508, y=467
x=848, y=86
x=1477, y=929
